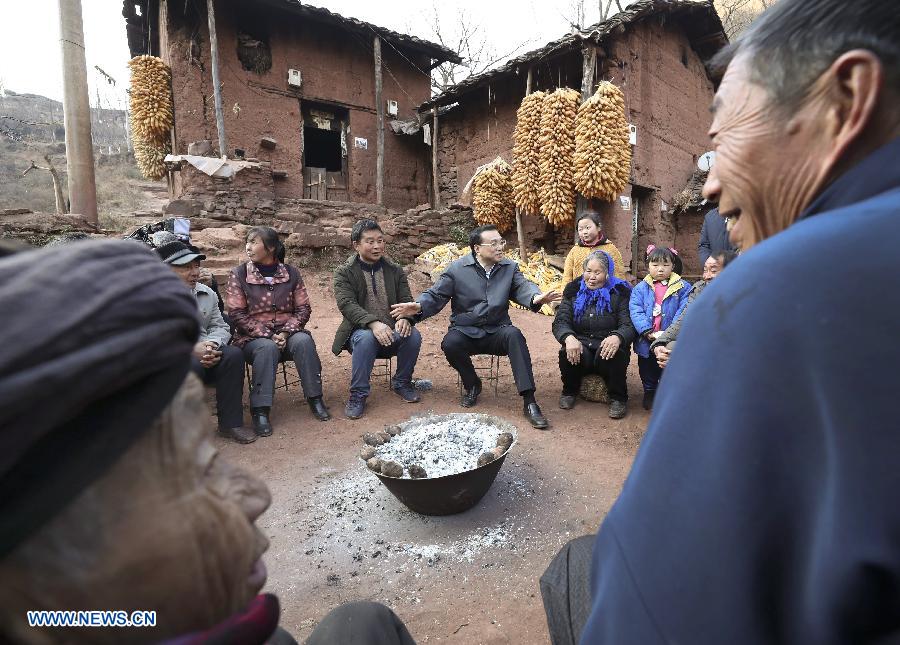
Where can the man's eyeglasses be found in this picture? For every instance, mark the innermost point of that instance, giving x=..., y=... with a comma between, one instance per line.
x=497, y=244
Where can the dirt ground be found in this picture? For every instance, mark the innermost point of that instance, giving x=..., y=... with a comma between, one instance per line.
x=338, y=535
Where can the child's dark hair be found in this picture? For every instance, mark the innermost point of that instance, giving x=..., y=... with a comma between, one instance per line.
x=270, y=240
x=663, y=254
x=591, y=215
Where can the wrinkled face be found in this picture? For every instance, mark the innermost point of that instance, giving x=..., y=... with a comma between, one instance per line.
x=490, y=251
x=169, y=528
x=588, y=232
x=595, y=274
x=660, y=269
x=370, y=246
x=189, y=273
x=711, y=268
x=257, y=251
x=766, y=163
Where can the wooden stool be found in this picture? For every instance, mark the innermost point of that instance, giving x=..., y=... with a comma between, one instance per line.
x=487, y=373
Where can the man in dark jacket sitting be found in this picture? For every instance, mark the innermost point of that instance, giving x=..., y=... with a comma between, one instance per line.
x=594, y=327
x=480, y=286
x=366, y=287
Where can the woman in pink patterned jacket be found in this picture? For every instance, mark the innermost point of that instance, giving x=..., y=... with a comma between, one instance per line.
x=269, y=307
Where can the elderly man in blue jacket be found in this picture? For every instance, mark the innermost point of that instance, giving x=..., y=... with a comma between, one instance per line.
x=766, y=510
x=479, y=287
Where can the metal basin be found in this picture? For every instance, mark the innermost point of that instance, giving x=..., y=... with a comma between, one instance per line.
x=451, y=493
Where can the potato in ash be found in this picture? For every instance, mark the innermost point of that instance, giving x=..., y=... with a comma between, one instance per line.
x=486, y=458
x=367, y=453
x=505, y=440
x=417, y=472
x=391, y=469
x=374, y=464
x=373, y=439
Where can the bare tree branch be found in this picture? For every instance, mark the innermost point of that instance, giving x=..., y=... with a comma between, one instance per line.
x=57, y=184
x=468, y=40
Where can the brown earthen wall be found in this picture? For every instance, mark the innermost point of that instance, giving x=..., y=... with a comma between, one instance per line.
x=667, y=96
x=337, y=67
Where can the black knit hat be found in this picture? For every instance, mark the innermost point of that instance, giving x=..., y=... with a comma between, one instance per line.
x=178, y=253
x=110, y=356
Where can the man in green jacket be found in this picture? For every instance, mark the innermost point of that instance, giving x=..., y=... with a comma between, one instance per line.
x=366, y=287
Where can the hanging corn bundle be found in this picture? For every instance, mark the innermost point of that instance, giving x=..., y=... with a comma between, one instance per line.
x=150, y=159
x=526, y=172
x=492, y=195
x=557, y=149
x=151, y=113
x=602, y=150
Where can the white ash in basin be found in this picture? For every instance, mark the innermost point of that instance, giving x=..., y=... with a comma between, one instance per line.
x=437, y=445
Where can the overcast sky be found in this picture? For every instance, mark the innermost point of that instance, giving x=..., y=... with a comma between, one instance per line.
x=29, y=35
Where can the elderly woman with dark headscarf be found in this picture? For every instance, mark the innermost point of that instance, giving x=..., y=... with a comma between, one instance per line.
x=113, y=496
x=269, y=307
x=594, y=328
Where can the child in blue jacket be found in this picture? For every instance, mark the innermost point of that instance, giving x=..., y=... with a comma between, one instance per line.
x=656, y=302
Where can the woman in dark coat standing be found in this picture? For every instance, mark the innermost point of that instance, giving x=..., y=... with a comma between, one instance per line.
x=594, y=328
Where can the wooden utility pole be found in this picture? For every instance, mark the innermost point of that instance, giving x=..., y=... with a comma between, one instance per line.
x=434, y=157
x=217, y=89
x=77, y=112
x=379, y=126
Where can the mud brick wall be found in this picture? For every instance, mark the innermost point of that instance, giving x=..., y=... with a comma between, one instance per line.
x=337, y=69
x=247, y=197
x=308, y=224
x=667, y=96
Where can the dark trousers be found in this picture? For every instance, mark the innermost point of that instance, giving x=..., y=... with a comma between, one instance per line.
x=506, y=341
x=360, y=623
x=228, y=376
x=613, y=372
x=365, y=348
x=263, y=355
x=650, y=372
x=566, y=591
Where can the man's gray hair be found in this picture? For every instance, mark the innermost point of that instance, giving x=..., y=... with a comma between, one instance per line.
x=795, y=41
x=600, y=256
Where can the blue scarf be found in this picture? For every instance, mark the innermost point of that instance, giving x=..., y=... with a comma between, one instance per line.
x=598, y=298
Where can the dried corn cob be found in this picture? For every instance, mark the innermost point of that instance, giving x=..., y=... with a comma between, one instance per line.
x=602, y=151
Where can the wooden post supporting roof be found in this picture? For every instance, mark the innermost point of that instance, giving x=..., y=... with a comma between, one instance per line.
x=588, y=73
x=379, y=126
x=434, y=158
x=217, y=88
x=520, y=228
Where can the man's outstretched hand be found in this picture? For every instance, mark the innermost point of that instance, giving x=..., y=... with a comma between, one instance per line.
x=405, y=310
x=548, y=297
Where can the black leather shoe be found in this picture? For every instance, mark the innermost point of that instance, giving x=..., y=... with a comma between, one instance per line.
x=261, y=425
x=470, y=397
x=566, y=402
x=240, y=434
x=533, y=413
x=317, y=405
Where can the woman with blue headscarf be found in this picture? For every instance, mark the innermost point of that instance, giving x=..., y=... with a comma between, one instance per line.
x=594, y=328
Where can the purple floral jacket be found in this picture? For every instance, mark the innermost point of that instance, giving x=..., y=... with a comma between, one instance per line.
x=259, y=309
